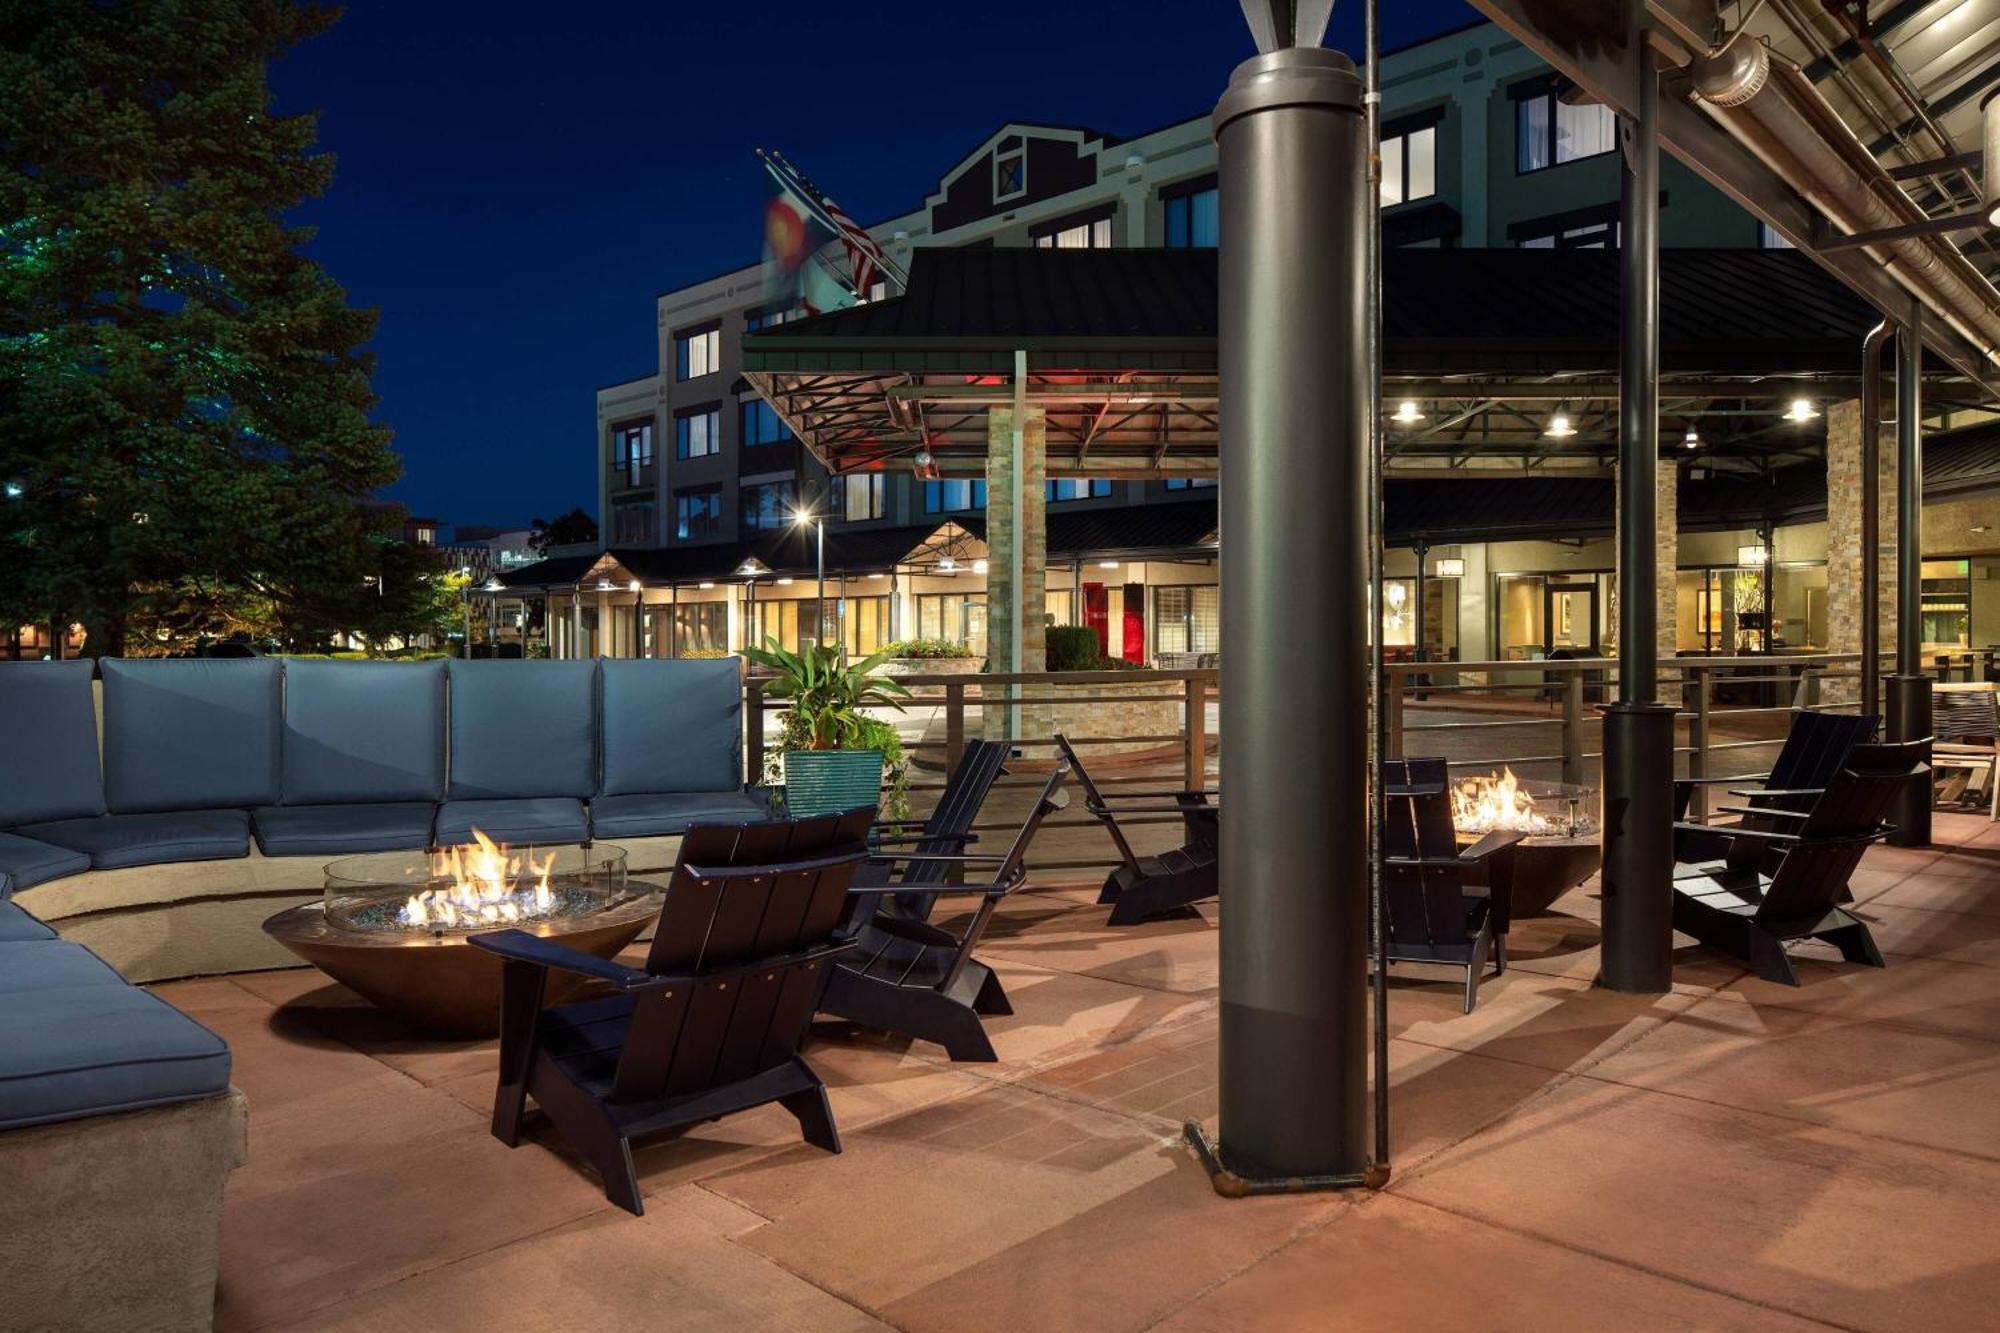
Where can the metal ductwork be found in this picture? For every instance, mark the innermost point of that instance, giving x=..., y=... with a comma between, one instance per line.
x=1771, y=107
x=1989, y=165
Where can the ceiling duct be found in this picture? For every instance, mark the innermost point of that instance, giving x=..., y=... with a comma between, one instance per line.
x=1989, y=162
x=1772, y=108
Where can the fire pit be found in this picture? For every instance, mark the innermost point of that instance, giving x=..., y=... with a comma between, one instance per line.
x=1560, y=850
x=391, y=927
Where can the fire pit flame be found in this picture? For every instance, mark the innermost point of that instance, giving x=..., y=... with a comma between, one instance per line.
x=481, y=884
x=1490, y=804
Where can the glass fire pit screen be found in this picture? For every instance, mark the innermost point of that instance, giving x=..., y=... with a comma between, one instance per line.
x=1499, y=801
x=483, y=885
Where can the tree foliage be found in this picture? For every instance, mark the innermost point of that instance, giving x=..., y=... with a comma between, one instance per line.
x=575, y=528
x=184, y=428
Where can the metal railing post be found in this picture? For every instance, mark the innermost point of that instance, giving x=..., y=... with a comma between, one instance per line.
x=1572, y=727
x=954, y=725
x=753, y=725
x=1195, y=728
x=1698, y=744
x=1394, y=680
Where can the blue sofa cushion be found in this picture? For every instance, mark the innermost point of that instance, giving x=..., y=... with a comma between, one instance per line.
x=522, y=729
x=672, y=726
x=76, y=1040
x=24, y=862
x=111, y=841
x=338, y=830
x=538, y=821
x=16, y=925
x=659, y=814
x=190, y=734
x=363, y=731
x=46, y=711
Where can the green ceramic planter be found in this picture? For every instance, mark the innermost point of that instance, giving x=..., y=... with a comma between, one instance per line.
x=818, y=782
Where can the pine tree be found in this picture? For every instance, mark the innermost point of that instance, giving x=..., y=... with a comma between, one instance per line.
x=184, y=432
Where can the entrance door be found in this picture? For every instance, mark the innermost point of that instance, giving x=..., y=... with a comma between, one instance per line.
x=1097, y=615
x=1135, y=623
x=1569, y=618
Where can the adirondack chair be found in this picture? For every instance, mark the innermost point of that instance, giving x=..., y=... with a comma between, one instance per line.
x=1814, y=748
x=1149, y=886
x=1965, y=727
x=1433, y=916
x=918, y=979
x=1734, y=906
x=747, y=937
x=948, y=830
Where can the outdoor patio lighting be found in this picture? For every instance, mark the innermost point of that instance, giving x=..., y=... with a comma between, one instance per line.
x=494, y=585
x=15, y=490
x=784, y=583
x=1559, y=427
x=1407, y=414
x=873, y=577
x=1451, y=567
x=947, y=565
x=979, y=566
x=1802, y=409
x=1691, y=440
x=1752, y=557
x=704, y=585
x=1107, y=564
x=604, y=585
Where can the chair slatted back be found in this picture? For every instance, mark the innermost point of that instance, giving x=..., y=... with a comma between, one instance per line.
x=739, y=893
x=1965, y=712
x=1840, y=828
x=1814, y=750
x=958, y=807
x=1426, y=905
x=1093, y=799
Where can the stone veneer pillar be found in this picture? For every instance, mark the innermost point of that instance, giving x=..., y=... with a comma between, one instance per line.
x=1844, y=556
x=1016, y=511
x=1667, y=555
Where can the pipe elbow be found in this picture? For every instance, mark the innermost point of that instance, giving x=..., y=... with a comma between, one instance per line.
x=1735, y=74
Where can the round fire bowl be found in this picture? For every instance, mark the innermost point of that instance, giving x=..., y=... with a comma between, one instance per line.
x=1544, y=870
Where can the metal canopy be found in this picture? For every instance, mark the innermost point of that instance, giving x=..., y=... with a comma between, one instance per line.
x=1488, y=347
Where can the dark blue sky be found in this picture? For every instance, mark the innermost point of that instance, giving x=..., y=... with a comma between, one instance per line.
x=515, y=183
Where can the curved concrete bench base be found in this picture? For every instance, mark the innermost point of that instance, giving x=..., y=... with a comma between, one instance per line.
x=114, y=1221
x=200, y=918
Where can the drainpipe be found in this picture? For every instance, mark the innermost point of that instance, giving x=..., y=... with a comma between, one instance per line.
x=1871, y=515
x=1910, y=690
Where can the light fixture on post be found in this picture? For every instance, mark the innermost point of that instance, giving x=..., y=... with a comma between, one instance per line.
x=1691, y=440
x=1559, y=427
x=1407, y=413
x=803, y=518
x=1801, y=410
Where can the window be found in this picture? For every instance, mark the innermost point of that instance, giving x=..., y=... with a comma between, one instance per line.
x=701, y=627
x=1189, y=483
x=954, y=496
x=959, y=617
x=1193, y=221
x=1409, y=165
x=865, y=624
x=632, y=522
x=768, y=507
x=1590, y=236
x=1187, y=619
x=698, y=352
x=1770, y=238
x=1549, y=132
x=1070, y=234
x=1078, y=488
x=698, y=512
x=877, y=290
x=632, y=453
x=760, y=423
x=698, y=432
x=1010, y=168
x=862, y=495
x=768, y=318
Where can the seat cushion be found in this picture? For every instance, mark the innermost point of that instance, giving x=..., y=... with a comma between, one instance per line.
x=76, y=1040
x=363, y=732
x=336, y=830
x=190, y=734
x=671, y=725
x=542, y=820
x=143, y=840
x=658, y=814
x=25, y=862
x=522, y=729
x=17, y=925
x=46, y=711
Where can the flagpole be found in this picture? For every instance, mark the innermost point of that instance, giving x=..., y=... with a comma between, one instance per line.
x=790, y=176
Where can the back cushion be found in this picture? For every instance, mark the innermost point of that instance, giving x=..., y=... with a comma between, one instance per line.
x=522, y=729
x=672, y=725
x=50, y=725
x=363, y=731
x=191, y=734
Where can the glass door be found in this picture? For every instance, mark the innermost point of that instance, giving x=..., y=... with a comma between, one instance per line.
x=1569, y=618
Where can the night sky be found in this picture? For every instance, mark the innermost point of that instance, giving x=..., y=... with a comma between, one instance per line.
x=515, y=183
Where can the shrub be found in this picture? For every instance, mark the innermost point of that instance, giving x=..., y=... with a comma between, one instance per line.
x=928, y=649
x=705, y=654
x=1073, y=648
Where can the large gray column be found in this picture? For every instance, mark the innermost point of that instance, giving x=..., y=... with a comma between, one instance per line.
x=1294, y=416
x=1910, y=689
x=1638, y=730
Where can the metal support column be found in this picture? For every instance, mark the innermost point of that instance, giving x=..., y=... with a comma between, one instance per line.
x=1910, y=689
x=1294, y=407
x=1871, y=515
x=1419, y=652
x=575, y=622
x=1638, y=730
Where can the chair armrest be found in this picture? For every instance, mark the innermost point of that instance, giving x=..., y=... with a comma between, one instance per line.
x=969, y=858
x=997, y=887
x=1777, y=791
x=1710, y=782
x=521, y=947
x=1734, y=831
x=960, y=839
x=1102, y=810
x=1759, y=812
x=1162, y=793
x=1499, y=840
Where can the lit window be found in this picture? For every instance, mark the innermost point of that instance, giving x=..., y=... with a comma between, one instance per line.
x=770, y=318
x=1192, y=219
x=1549, y=132
x=1409, y=166
x=1078, y=488
x=1770, y=238
x=1066, y=235
x=698, y=512
x=632, y=453
x=953, y=496
x=862, y=495
x=698, y=352
x=1188, y=483
x=698, y=432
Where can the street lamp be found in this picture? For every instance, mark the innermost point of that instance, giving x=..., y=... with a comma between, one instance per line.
x=802, y=518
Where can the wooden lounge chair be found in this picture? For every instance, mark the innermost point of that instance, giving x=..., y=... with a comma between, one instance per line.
x=1733, y=905
x=1433, y=916
x=906, y=975
x=1813, y=751
x=748, y=934
x=1150, y=886
x=948, y=830
x=1965, y=726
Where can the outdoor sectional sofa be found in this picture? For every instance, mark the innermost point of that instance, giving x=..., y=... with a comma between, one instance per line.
x=225, y=786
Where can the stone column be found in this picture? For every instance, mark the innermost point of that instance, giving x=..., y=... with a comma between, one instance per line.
x=1016, y=511
x=1666, y=556
x=1844, y=555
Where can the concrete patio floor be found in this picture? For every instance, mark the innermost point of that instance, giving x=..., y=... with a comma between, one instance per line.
x=1733, y=1155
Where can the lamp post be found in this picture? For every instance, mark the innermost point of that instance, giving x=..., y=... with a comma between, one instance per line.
x=801, y=518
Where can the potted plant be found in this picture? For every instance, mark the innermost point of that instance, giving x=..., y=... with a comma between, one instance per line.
x=833, y=754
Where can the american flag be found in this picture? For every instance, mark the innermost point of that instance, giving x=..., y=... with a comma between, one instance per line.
x=865, y=260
